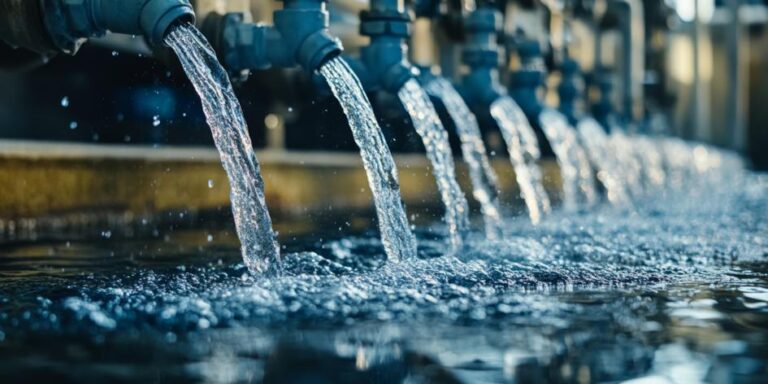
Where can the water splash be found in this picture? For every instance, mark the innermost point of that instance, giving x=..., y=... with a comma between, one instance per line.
x=435, y=139
x=598, y=147
x=484, y=180
x=399, y=243
x=523, y=148
x=578, y=180
x=230, y=134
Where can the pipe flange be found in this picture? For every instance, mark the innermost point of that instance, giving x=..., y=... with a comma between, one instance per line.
x=480, y=57
x=317, y=49
x=386, y=28
x=385, y=23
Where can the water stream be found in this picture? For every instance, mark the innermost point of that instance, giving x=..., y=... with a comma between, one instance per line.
x=598, y=147
x=230, y=134
x=484, y=180
x=523, y=148
x=399, y=243
x=651, y=160
x=626, y=153
x=435, y=138
x=578, y=179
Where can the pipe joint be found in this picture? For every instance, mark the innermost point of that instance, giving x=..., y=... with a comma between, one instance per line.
x=303, y=30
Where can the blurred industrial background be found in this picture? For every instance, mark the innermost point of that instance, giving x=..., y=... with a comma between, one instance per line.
x=689, y=68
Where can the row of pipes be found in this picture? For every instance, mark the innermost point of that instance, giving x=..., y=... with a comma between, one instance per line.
x=299, y=36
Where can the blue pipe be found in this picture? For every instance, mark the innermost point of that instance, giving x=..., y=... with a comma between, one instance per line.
x=383, y=64
x=71, y=22
x=603, y=110
x=481, y=86
x=570, y=90
x=527, y=81
x=299, y=37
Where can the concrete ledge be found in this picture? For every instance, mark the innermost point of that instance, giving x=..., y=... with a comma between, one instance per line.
x=49, y=179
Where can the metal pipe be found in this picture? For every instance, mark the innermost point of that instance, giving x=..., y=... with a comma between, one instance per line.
x=383, y=63
x=49, y=26
x=481, y=85
x=299, y=37
x=736, y=79
x=632, y=27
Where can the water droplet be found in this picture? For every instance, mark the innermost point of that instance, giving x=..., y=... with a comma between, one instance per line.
x=155, y=120
x=115, y=53
x=210, y=183
x=210, y=238
x=73, y=125
x=65, y=102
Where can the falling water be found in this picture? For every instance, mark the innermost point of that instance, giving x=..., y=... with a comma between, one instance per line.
x=578, y=180
x=627, y=155
x=598, y=147
x=435, y=139
x=651, y=159
x=524, y=152
x=484, y=181
x=230, y=133
x=399, y=243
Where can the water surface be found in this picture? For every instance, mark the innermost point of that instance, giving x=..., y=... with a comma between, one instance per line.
x=675, y=290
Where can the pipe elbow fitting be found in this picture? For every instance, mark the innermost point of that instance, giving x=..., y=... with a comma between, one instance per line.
x=157, y=17
x=316, y=49
x=299, y=37
x=387, y=64
x=71, y=22
x=302, y=33
x=395, y=77
x=240, y=46
x=481, y=87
